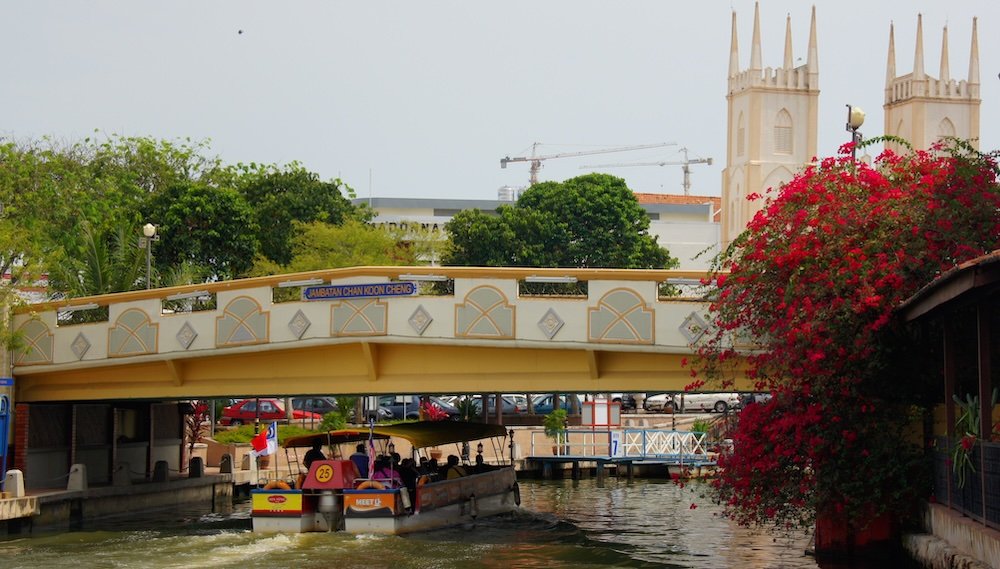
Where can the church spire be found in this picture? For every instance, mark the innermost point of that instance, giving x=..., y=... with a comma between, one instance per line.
x=789, y=63
x=755, y=58
x=890, y=64
x=734, y=51
x=945, y=73
x=813, y=57
x=918, y=55
x=974, y=55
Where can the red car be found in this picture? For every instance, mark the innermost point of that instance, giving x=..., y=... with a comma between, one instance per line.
x=245, y=412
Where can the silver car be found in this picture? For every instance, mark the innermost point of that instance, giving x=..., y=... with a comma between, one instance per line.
x=692, y=402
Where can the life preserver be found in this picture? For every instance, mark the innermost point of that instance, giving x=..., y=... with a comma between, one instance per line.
x=424, y=479
x=277, y=485
x=371, y=485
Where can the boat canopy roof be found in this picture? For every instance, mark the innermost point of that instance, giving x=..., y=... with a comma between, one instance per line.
x=420, y=434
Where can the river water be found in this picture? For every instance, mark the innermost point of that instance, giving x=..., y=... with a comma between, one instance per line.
x=569, y=524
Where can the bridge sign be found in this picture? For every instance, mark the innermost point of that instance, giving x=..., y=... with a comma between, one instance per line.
x=338, y=292
x=6, y=382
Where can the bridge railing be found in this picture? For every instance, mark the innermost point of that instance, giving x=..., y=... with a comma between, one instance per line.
x=623, y=310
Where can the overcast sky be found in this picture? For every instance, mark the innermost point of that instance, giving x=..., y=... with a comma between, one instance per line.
x=423, y=99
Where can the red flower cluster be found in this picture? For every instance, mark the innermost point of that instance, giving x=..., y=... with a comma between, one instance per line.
x=809, y=299
x=432, y=412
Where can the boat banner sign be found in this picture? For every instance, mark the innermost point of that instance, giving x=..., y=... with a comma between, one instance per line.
x=338, y=292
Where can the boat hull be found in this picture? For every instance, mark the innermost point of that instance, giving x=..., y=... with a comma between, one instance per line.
x=387, y=511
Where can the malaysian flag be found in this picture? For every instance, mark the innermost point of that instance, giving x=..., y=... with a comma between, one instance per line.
x=265, y=442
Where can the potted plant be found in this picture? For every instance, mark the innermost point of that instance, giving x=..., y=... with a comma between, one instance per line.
x=555, y=428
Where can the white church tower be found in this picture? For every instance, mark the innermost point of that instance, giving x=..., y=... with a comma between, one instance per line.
x=772, y=124
x=922, y=109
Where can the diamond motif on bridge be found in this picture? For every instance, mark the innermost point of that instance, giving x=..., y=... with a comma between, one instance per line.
x=550, y=324
x=694, y=327
x=420, y=320
x=299, y=324
x=186, y=335
x=80, y=346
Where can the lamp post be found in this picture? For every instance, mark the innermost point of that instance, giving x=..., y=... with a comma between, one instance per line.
x=855, y=118
x=149, y=231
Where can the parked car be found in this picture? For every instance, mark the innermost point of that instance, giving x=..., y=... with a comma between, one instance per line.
x=408, y=406
x=508, y=404
x=321, y=405
x=247, y=411
x=542, y=404
x=627, y=400
x=324, y=405
x=692, y=402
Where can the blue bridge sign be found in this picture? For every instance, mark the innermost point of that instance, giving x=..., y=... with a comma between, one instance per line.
x=338, y=292
x=6, y=382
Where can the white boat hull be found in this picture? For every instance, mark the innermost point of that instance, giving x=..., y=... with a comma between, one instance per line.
x=388, y=511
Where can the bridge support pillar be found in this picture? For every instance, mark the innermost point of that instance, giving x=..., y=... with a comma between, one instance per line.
x=576, y=470
x=547, y=470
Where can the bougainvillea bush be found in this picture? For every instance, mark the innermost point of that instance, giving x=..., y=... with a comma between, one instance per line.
x=805, y=301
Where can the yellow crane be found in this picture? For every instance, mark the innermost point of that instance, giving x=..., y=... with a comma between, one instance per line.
x=536, y=160
x=686, y=164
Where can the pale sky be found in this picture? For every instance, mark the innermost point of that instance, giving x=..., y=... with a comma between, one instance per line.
x=423, y=98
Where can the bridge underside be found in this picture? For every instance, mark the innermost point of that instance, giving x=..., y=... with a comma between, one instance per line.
x=361, y=368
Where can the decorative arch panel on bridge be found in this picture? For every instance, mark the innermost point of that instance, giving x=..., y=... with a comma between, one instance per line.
x=486, y=337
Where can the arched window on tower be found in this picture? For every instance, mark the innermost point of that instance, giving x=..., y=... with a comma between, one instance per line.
x=741, y=145
x=946, y=129
x=783, y=133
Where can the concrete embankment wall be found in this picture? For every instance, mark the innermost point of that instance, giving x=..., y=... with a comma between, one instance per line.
x=63, y=510
x=953, y=541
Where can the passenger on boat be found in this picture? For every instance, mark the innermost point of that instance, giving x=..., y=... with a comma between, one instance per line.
x=386, y=474
x=453, y=469
x=315, y=453
x=433, y=469
x=481, y=465
x=360, y=460
x=409, y=473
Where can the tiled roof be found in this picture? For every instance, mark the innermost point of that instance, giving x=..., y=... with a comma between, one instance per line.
x=682, y=200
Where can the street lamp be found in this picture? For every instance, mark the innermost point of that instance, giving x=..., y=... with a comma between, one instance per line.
x=855, y=118
x=149, y=231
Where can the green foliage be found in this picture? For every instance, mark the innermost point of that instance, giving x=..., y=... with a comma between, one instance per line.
x=100, y=263
x=243, y=433
x=320, y=245
x=283, y=196
x=587, y=221
x=555, y=425
x=967, y=431
x=467, y=408
x=701, y=426
x=206, y=225
x=333, y=421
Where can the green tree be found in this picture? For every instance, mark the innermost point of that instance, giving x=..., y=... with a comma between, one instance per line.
x=589, y=221
x=283, y=196
x=210, y=226
x=318, y=245
x=102, y=264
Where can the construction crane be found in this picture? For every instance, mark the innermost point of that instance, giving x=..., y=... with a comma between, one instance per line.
x=686, y=164
x=536, y=160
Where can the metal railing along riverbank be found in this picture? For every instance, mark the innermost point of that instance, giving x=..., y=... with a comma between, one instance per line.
x=643, y=444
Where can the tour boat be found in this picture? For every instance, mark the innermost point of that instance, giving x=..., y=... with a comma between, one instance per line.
x=331, y=498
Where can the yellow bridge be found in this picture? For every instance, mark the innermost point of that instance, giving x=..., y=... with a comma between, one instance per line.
x=370, y=330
